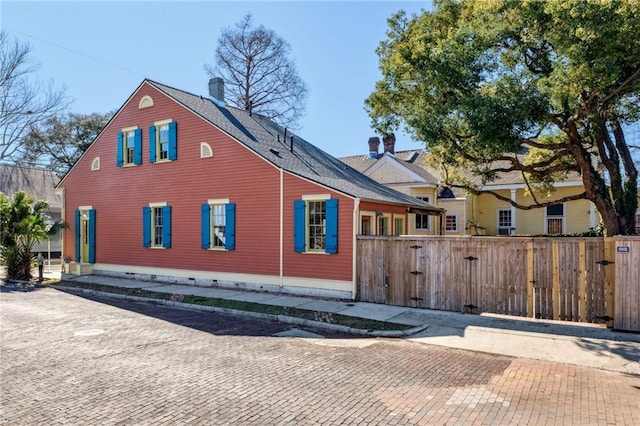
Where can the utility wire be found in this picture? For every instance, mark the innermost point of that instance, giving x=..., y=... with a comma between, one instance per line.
x=77, y=53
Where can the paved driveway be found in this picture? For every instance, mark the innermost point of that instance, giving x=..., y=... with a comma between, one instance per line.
x=69, y=360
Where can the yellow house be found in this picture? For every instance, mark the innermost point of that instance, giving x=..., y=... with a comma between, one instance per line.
x=406, y=171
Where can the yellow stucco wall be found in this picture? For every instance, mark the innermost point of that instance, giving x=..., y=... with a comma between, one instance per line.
x=577, y=214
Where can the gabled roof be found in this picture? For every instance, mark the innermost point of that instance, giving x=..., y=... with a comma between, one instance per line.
x=266, y=139
x=36, y=181
x=404, y=162
x=415, y=161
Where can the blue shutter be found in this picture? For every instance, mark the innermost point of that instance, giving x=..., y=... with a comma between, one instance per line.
x=146, y=226
x=119, y=150
x=77, y=214
x=205, y=226
x=152, y=144
x=166, y=227
x=137, y=149
x=331, y=245
x=230, y=230
x=173, y=140
x=92, y=236
x=299, y=234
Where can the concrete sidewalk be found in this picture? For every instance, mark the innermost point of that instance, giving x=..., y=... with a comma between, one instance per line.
x=580, y=344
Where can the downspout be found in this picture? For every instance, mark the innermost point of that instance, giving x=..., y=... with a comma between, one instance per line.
x=281, y=228
x=356, y=217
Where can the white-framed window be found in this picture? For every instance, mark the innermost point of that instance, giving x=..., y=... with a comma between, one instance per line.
x=398, y=225
x=129, y=148
x=505, y=223
x=384, y=225
x=422, y=220
x=554, y=219
x=451, y=223
x=638, y=222
x=315, y=223
x=163, y=141
x=365, y=225
x=219, y=225
x=156, y=225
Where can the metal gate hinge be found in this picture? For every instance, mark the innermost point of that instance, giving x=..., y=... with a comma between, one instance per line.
x=604, y=262
x=471, y=258
x=415, y=247
x=416, y=272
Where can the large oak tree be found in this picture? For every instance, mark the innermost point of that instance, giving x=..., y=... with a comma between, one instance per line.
x=544, y=88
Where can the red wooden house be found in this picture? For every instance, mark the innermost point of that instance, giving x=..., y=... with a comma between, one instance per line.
x=182, y=188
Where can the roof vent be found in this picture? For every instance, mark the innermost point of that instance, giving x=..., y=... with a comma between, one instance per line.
x=216, y=90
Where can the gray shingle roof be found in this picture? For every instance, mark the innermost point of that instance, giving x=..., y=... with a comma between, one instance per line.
x=36, y=181
x=266, y=139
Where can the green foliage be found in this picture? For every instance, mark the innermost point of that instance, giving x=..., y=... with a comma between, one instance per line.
x=23, y=222
x=479, y=80
x=60, y=140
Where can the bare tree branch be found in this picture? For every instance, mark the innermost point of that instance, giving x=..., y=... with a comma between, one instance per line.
x=259, y=74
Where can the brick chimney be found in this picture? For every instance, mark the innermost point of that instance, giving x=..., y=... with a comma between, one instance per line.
x=389, y=142
x=216, y=90
x=374, y=144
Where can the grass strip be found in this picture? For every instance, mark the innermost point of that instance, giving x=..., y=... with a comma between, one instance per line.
x=328, y=317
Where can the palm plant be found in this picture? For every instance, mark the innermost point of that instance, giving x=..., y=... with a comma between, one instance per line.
x=23, y=223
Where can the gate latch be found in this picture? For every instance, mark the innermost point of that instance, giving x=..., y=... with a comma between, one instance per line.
x=471, y=258
x=604, y=262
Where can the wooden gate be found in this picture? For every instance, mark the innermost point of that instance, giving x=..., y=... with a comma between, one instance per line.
x=555, y=278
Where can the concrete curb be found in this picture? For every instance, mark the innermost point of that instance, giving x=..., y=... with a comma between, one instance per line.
x=280, y=318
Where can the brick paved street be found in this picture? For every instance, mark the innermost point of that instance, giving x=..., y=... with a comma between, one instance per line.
x=69, y=360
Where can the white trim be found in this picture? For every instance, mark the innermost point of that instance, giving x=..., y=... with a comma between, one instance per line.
x=158, y=204
x=457, y=223
x=281, y=272
x=592, y=215
x=95, y=164
x=372, y=220
x=498, y=227
x=218, y=201
x=354, y=242
x=395, y=217
x=82, y=208
x=389, y=224
x=129, y=129
x=145, y=102
x=298, y=285
x=316, y=197
x=162, y=122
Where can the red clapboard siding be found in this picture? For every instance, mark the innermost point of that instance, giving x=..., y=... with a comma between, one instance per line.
x=234, y=172
x=335, y=266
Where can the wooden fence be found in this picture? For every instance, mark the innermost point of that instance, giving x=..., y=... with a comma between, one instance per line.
x=568, y=279
x=627, y=283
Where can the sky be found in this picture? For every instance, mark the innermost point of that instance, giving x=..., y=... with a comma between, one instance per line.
x=101, y=52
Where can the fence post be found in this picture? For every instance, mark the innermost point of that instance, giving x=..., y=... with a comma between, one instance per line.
x=582, y=281
x=531, y=288
x=609, y=280
x=555, y=258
